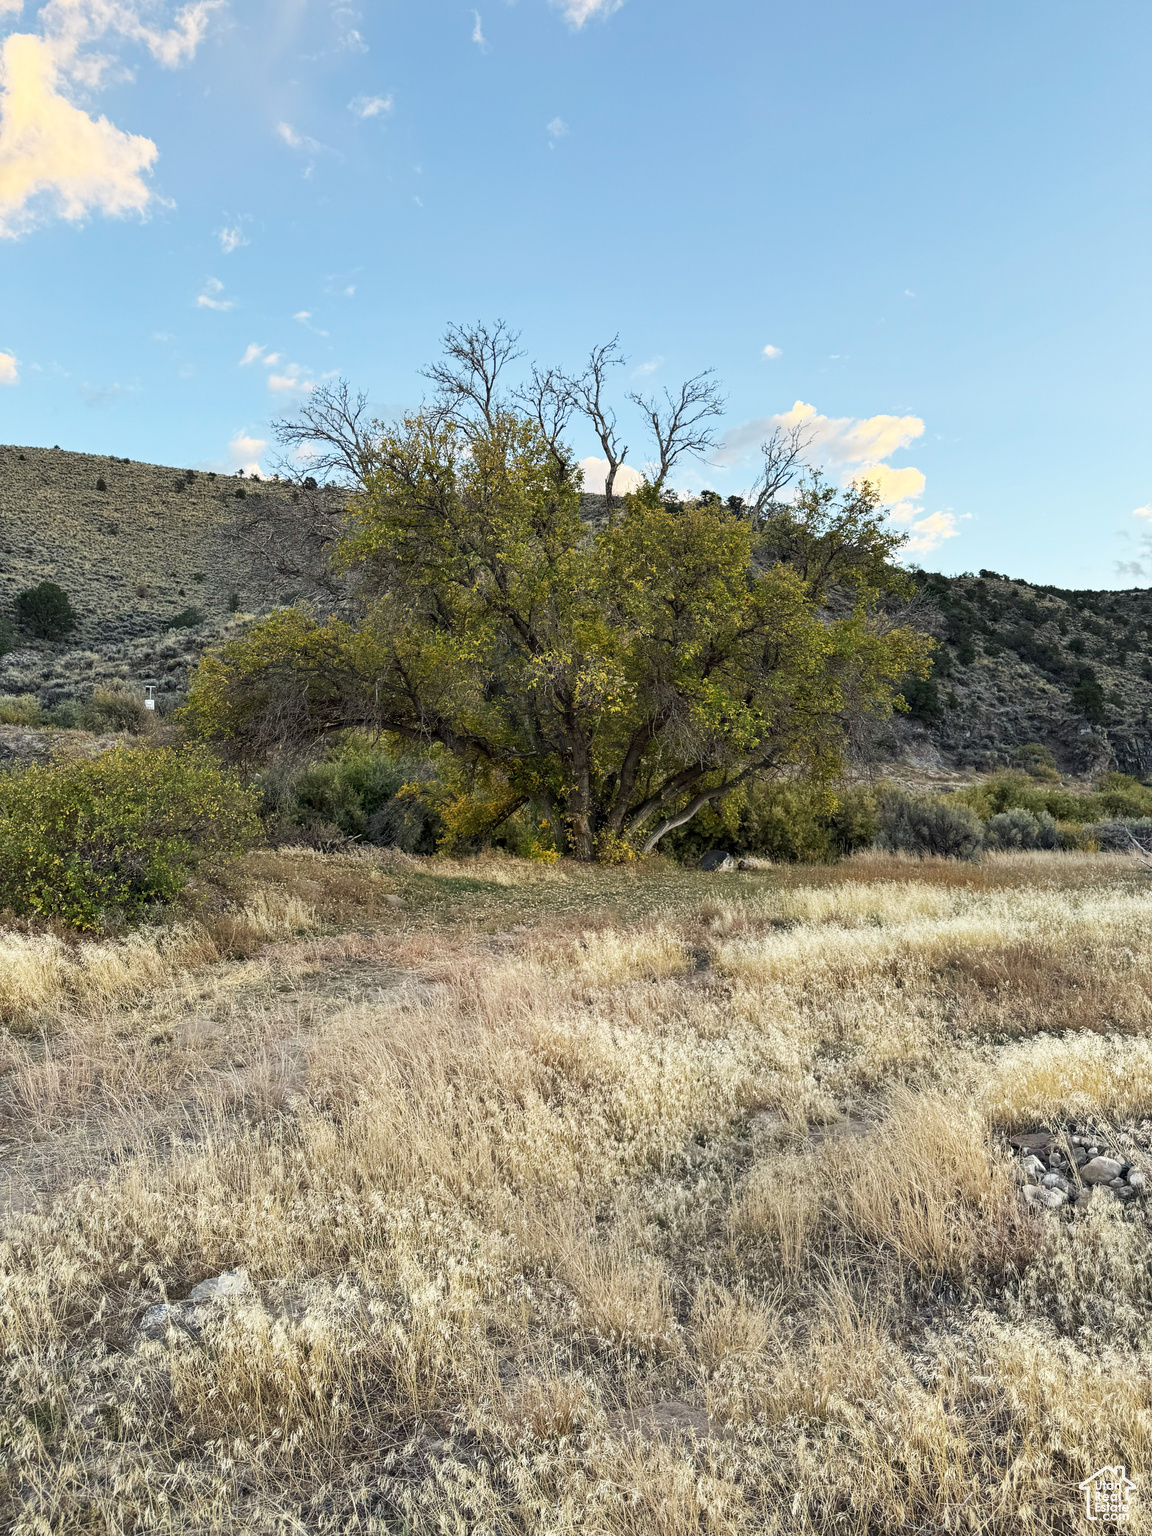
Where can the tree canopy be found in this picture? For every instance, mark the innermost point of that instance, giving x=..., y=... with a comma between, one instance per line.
x=617, y=677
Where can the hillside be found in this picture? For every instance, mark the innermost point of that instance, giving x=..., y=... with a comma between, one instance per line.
x=157, y=544
x=1017, y=663
x=1020, y=663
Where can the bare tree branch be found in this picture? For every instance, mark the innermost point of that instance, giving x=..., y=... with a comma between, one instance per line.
x=334, y=429
x=783, y=454
x=547, y=397
x=680, y=426
x=587, y=394
x=467, y=378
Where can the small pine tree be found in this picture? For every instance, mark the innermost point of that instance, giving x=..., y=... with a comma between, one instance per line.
x=46, y=611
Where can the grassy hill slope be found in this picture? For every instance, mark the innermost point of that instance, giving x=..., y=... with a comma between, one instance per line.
x=137, y=546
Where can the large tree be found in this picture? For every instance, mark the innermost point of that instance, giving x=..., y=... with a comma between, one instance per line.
x=618, y=678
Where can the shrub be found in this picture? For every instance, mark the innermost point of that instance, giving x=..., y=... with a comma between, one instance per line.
x=1021, y=829
x=83, y=840
x=7, y=636
x=792, y=821
x=1122, y=836
x=115, y=709
x=921, y=825
x=20, y=709
x=101, y=484
x=46, y=611
x=359, y=789
x=1088, y=698
x=187, y=618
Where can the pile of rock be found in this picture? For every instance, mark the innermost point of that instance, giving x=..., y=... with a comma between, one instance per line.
x=1069, y=1167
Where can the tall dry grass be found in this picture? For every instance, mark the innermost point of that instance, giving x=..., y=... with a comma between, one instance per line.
x=554, y=1230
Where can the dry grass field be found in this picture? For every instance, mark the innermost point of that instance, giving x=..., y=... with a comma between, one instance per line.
x=562, y=1200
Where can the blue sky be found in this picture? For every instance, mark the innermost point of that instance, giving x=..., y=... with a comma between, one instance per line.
x=923, y=229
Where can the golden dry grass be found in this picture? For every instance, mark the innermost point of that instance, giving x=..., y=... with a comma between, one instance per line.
x=577, y=1201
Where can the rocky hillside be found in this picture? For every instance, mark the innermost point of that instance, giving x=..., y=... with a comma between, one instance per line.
x=160, y=562
x=1019, y=663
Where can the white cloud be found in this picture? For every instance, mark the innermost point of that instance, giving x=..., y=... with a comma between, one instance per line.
x=854, y=448
x=1144, y=512
x=893, y=486
x=52, y=153
x=253, y=351
x=577, y=12
x=209, y=298
x=55, y=159
x=557, y=129
x=294, y=380
x=244, y=453
x=15, y=6
x=478, y=32
x=231, y=239
x=9, y=369
x=645, y=370
x=926, y=532
x=370, y=106
x=771, y=351
x=596, y=472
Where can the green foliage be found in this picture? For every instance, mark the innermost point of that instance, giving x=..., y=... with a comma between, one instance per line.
x=362, y=789
x=115, y=709
x=1117, y=796
x=1088, y=698
x=922, y=696
x=1016, y=829
x=20, y=709
x=1036, y=759
x=616, y=681
x=794, y=821
x=83, y=840
x=924, y=825
x=187, y=618
x=46, y=611
x=7, y=636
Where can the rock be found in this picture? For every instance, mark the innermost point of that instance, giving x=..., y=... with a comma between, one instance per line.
x=1101, y=1170
x=1031, y=1193
x=1055, y=1181
x=1083, y=1200
x=1123, y=1191
x=1033, y=1167
x=717, y=861
x=1034, y=1141
x=394, y=901
x=1137, y=1179
x=1052, y=1198
x=190, y=1316
x=1079, y=1157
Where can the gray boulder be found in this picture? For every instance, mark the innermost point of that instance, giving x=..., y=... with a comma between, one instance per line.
x=1101, y=1170
x=717, y=861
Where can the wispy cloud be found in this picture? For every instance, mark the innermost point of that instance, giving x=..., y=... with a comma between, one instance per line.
x=478, y=32
x=370, y=106
x=577, y=12
x=252, y=353
x=210, y=297
x=304, y=318
x=231, y=238
x=557, y=129
x=9, y=369
x=646, y=370
x=770, y=351
x=56, y=160
x=99, y=395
